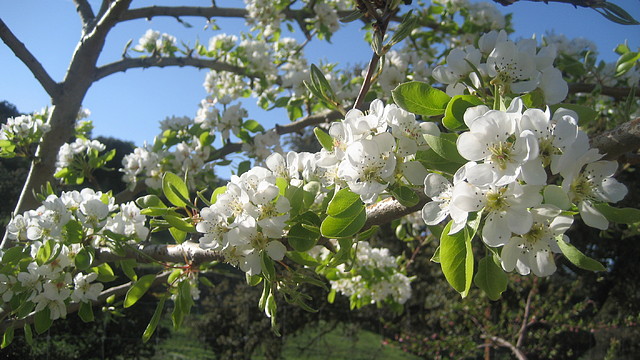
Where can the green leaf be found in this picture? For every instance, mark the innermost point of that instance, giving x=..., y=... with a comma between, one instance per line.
x=345, y=204
x=456, y=259
x=295, y=195
x=45, y=252
x=333, y=227
x=42, y=320
x=579, y=259
x=128, y=268
x=303, y=238
x=105, y=272
x=436, y=256
x=183, y=303
x=619, y=215
x=253, y=126
x=626, y=62
x=175, y=190
x=138, y=289
x=585, y=114
x=7, y=338
x=74, y=230
x=405, y=195
x=150, y=201
x=14, y=254
x=153, y=324
x=268, y=268
x=302, y=258
x=324, y=139
x=28, y=334
x=420, y=98
x=490, y=278
x=432, y=161
x=86, y=312
x=445, y=146
x=83, y=259
x=243, y=167
x=179, y=223
x=216, y=192
x=454, y=114
x=407, y=25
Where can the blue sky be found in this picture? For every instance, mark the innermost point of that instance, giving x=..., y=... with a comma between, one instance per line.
x=129, y=105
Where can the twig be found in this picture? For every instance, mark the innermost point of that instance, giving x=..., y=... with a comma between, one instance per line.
x=20, y=50
x=525, y=317
x=504, y=343
x=147, y=62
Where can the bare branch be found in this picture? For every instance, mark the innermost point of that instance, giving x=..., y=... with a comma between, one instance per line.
x=208, y=12
x=73, y=307
x=525, y=317
x=188, y=251
x=504, y=343
x=126, y=64
x=576, y=3
x=20, y=50
x=178, y=11
x=623, y=139
x=326, y=116
x=389, y=209
x=84, y=10
x=619, y=93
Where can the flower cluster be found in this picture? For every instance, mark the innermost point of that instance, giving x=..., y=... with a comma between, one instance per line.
x=20, y=132
x=77, y=150
x=374, y=278
x=157, y=44
x=60, y=236
x=247, y=220
x=373, y=150
x=514, y=67
x=510, y=155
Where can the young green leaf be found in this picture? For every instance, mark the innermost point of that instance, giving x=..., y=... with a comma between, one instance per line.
x=138, y=289
x=303, y=238
x=7, y=338
x=619, y=215
x=345, y=204
x=86, y=312
x=333, y=227
x=420, y=98
x=445, y=146
x=490, y=278
x=42, y=320
x=456, y=259
x=175, y=190
x=324, y=139
x=454, y=114
x=153, y=324
x=405, y=195
x=579, y=259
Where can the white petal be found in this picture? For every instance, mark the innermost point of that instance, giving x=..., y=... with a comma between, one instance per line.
x=434, y=212
x=519, y=221
x=435, y=184
x=276, y=250
x=591, y=216
x=612, y=190
x=495, y=231
x=510, y=253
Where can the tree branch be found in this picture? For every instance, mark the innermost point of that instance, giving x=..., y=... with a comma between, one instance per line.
x=20, y=50
x=616, y=142
x=208, y=12
x=525, y=317
x=127, y=63
x=619, y=93
x=504, y=343
x=84, y=10
x=119, y=290
x=576, y=3
x=187, y=252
